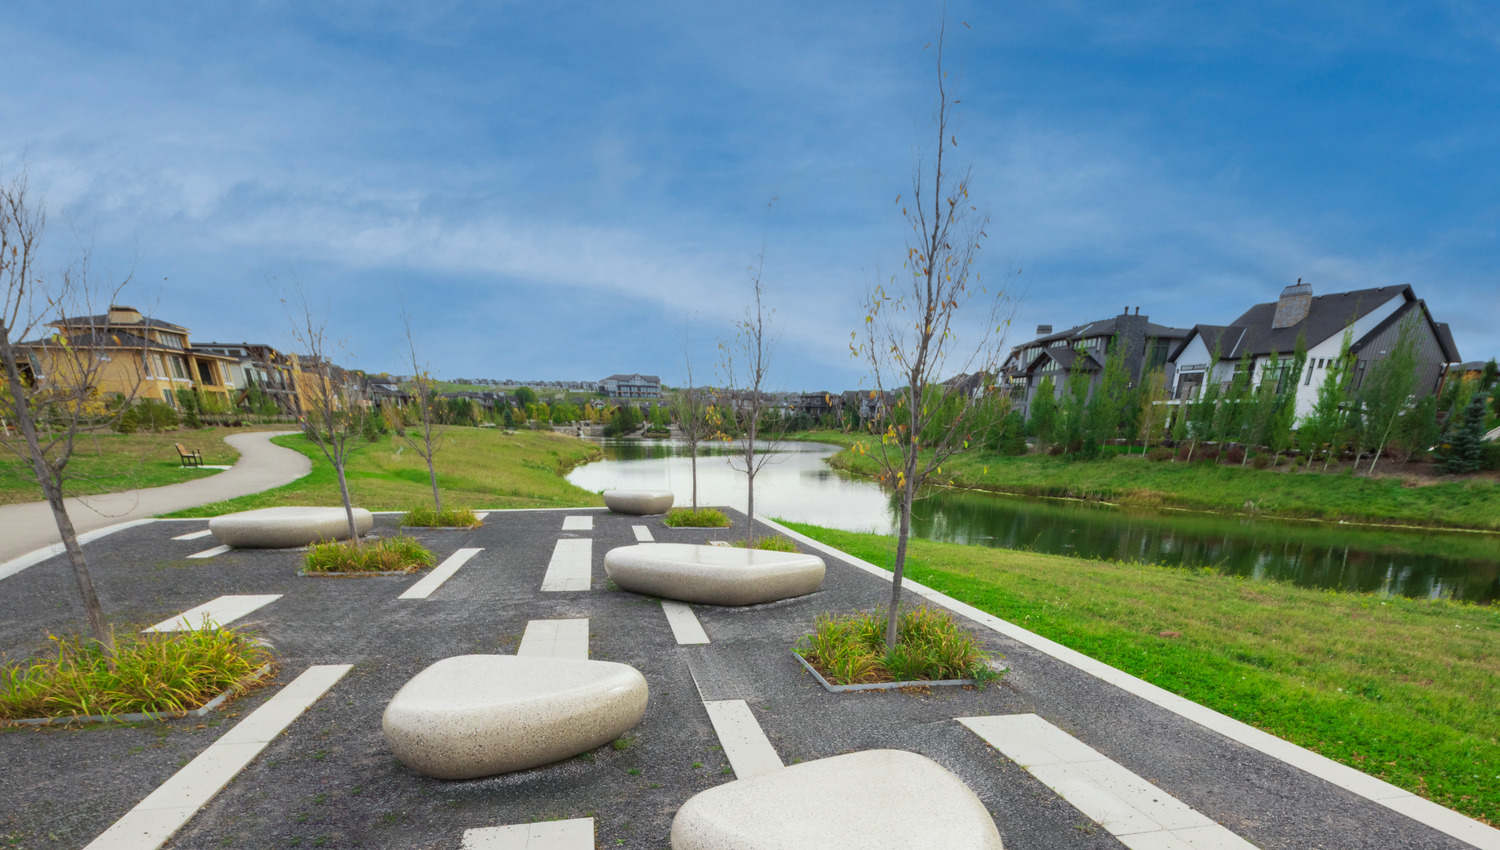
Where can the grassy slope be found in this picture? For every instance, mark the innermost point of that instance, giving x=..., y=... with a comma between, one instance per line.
x=477, y=467
x=109, y=463
x=1471, y=503
x=1401, y=689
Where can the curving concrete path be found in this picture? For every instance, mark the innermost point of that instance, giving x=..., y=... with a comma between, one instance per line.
x=27, y=527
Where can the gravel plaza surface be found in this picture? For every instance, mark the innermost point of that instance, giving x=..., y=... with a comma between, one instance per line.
x=330, y=780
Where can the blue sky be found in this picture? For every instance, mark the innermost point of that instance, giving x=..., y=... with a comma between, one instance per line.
x=570, y=190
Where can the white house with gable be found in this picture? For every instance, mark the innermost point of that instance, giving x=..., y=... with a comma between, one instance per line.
x=1214, y=352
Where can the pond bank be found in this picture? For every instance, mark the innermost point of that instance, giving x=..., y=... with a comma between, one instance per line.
x=1470, y=503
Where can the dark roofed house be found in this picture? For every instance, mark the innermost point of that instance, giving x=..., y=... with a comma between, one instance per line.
x=631, y=386
x=1085, y=348
x=1373, y=317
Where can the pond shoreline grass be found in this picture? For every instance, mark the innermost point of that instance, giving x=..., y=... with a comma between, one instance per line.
x=1397, y=688
x=1469, y=503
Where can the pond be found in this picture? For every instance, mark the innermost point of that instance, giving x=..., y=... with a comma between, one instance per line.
x=798, y=485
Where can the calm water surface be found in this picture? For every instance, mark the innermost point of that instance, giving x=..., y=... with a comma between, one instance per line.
x=798, y=485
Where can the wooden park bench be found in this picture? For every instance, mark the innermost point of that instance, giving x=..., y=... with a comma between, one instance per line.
x=190, y=457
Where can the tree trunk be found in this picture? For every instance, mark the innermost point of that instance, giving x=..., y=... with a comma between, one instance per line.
x=437, y=498
x=693, y=451
x=91, y=607
x=898, y=569
x=348, y=503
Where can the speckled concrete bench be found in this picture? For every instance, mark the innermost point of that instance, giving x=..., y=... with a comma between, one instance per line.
x=283, y=528
x=716, y=575
x=875, y=798
x=479, y=715
x=638, y=502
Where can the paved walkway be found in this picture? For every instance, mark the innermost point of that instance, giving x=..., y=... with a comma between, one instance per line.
x=28, y=527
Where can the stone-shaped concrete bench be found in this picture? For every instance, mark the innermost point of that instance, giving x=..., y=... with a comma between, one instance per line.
x=875, y=798
x=716, y=575
x=283, y=528
x=479, y=715
x=638, y=502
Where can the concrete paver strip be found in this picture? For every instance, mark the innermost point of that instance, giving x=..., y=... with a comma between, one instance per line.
x=571, y=567
x=556, y=639
x=28, y=527
x=193, y=535
x=685, y=626
x=154, y=820
x=1398, y=799
x=441, y=573
x=745, y=744
x=219, y=612
x=575, y=834
x=17, y=564
x=642, y=534
x=210, y=553
x=578, y=523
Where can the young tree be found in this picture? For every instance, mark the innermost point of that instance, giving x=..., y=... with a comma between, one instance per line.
x=1152, y=417
x=1105, y=409
x=1263, y=403
x=49, y=402
x=912, y=331
x=429, y=440
x=1388, y=388
x=690, y=409
x=1323, y=426
x=333, y=413
x=745, y=363
x=1045, y=413
x=1279, y=437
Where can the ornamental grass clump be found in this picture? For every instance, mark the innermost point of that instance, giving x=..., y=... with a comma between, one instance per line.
x=388, y=555
x=149, y=672
x=768, y=543
x=422, y=516
x=701, y=518
x=931, y=646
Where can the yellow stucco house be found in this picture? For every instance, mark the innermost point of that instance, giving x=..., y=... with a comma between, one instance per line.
x=130, y=356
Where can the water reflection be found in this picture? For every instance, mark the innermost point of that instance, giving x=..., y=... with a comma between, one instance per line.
x=798, y=485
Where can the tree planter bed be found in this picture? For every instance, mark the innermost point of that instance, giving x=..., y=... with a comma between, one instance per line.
x=137, y=717
x=361, y=574
x=404, y=529
x=884, y=686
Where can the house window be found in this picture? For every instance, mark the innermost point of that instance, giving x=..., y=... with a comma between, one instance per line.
x=1359, y=374
x=178, y=369
x=167, y=395
x=1308, y=381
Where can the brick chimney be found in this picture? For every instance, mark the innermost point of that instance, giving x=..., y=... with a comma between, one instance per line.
x=1293, y=306
x=1043, y=330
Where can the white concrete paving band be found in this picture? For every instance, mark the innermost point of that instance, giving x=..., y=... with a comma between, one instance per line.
x=156, y=818
x=642, y=534
x=441, y=573
x=571, y=567
x=685, y=626
x=209, y=553
x=745, y=744
x=1423, y=811
x=193, y=535
x=31, y=559
x=1133, y=810
x=556, y=639
x=216, y=612
x=578, y=523
x=576, y=834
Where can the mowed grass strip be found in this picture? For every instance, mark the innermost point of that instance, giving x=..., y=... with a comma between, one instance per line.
x=1402, y=689
x=1470, y=502
x=477, y=468
x=110, y=463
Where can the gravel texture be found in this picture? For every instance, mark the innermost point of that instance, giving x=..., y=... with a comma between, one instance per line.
x=330, y=780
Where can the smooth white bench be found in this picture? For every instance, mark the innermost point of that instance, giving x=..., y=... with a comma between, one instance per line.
x=875, y=798
x=479, y=715
x=716, y=575
x=638, y=502
x=283, y=528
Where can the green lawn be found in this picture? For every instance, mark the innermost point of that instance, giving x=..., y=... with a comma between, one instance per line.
x=1471, y=502
x=1401, y=689
x=109, y=463
x=477, y=468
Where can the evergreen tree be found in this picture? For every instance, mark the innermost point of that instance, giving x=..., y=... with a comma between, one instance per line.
x=1464, y=452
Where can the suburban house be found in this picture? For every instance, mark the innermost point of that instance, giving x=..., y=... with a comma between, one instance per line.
x=631, y=386
x=139, y=357
x=1374, y=316
x=1085, y=349
x=318, y=379
x=261, y=366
